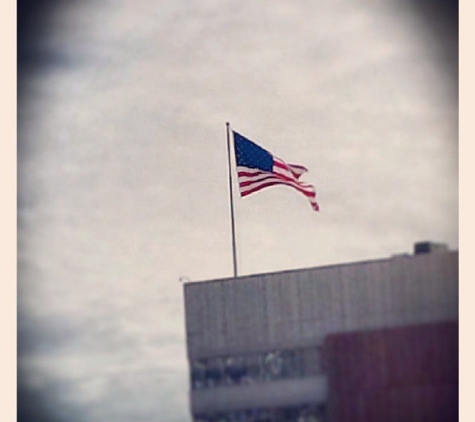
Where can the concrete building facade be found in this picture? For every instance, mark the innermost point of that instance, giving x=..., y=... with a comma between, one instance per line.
x=343, y=342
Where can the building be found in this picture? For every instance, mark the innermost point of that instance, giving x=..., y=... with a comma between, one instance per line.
x=361, y=342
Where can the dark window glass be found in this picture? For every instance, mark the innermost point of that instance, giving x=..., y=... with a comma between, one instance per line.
x=311, y=361
x=273, y=365
x=235, y=370
x=254, y=365
x=214, y=372
x=198, y=375
x=292, y=363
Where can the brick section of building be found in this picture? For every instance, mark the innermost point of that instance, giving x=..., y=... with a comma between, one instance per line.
x=405, y=374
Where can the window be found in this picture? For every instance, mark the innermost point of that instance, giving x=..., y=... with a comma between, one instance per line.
x=256, y=367
x=302, y=413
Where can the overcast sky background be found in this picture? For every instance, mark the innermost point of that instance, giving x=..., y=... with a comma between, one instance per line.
x=123, y=183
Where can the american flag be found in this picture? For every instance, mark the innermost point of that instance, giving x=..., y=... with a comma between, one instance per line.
x=258, y=169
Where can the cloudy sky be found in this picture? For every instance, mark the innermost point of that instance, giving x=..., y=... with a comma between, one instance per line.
x=123, y=180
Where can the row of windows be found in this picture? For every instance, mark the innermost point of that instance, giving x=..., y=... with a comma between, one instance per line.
x=303, y=413
x=255, y=367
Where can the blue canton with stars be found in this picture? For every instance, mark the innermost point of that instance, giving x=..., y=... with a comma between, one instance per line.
x=251, y=155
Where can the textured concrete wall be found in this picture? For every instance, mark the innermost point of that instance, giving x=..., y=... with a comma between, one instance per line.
x=298, y=308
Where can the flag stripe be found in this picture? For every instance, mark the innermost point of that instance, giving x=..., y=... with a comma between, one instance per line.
x=252, y=180
x=251, y=175
x=311, y=195
x=294, y=169
x=247, y=181
x=249, y=187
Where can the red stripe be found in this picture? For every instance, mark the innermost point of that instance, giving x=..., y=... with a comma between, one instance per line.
x=296, y=169
x=245, y=183
x=281, y=164
x=311, y=198
x=310, y=192
x=251, y=174
x=257, y=182
x=284, y=166
x=257, y=188
x=298, y=166
x=259, y=172
x=276, y=175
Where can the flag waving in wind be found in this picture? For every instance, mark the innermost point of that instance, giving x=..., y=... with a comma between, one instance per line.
x=258, y=169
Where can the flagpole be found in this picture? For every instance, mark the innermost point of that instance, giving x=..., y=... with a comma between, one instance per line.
x=233, y=230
